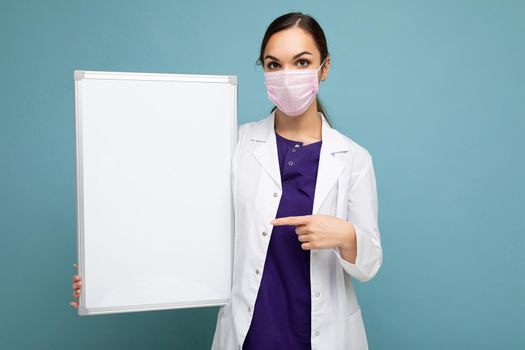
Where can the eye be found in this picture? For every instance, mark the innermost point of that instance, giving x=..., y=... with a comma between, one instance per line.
x=269, y=65
x=303, y=61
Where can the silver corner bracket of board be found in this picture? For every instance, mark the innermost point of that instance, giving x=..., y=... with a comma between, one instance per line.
x=79, y=74
x=233, y=79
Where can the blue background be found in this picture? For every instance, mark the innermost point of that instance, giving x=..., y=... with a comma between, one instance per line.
x=435, y=90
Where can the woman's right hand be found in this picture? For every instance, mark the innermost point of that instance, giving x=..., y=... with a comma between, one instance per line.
x=77, y=283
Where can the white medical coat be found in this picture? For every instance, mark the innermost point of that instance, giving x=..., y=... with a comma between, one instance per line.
x=346, y=188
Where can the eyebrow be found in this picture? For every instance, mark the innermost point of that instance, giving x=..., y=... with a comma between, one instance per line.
x=294, y=57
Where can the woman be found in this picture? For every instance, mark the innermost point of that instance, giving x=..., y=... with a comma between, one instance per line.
x=292, y=279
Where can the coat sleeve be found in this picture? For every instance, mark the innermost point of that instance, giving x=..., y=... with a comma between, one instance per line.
x=235, y=158
x=233, y=166
x=362, y=212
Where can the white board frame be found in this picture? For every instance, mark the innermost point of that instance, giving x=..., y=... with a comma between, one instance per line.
x=79, y=77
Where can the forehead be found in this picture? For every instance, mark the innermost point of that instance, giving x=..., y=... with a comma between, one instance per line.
x=289, y=42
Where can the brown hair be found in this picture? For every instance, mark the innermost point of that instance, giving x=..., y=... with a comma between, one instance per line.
x=307, y=23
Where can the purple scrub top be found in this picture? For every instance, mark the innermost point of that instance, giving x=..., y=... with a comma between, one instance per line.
x=282, y=312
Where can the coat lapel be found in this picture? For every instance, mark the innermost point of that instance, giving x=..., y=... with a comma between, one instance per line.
x=330, y=167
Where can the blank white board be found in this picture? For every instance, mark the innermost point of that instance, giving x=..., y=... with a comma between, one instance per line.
x=154, y=209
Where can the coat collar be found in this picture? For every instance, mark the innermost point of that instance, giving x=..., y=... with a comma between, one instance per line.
x=330, y=167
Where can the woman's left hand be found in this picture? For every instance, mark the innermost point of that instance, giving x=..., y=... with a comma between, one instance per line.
x=321, y=231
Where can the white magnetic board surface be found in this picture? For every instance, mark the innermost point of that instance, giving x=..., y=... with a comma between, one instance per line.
x=154, y=208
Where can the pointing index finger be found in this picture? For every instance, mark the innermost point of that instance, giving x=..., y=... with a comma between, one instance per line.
x=290, y=220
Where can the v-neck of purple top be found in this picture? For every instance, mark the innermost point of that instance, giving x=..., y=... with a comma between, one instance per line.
x=282, y=313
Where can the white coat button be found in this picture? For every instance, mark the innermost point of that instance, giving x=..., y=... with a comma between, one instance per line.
x=317, y=333
x=264, y=233
x=257, y=271
x=317, y=294
x=290, y=163
x=249, y=309
x=276, y=194
x=314, y=253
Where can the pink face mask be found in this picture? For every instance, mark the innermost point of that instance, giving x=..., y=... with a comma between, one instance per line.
x=292, y=90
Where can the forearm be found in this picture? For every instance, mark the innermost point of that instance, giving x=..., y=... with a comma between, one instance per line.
x=348, y=245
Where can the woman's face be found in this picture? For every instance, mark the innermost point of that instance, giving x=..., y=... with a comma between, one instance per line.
x=293, y=48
